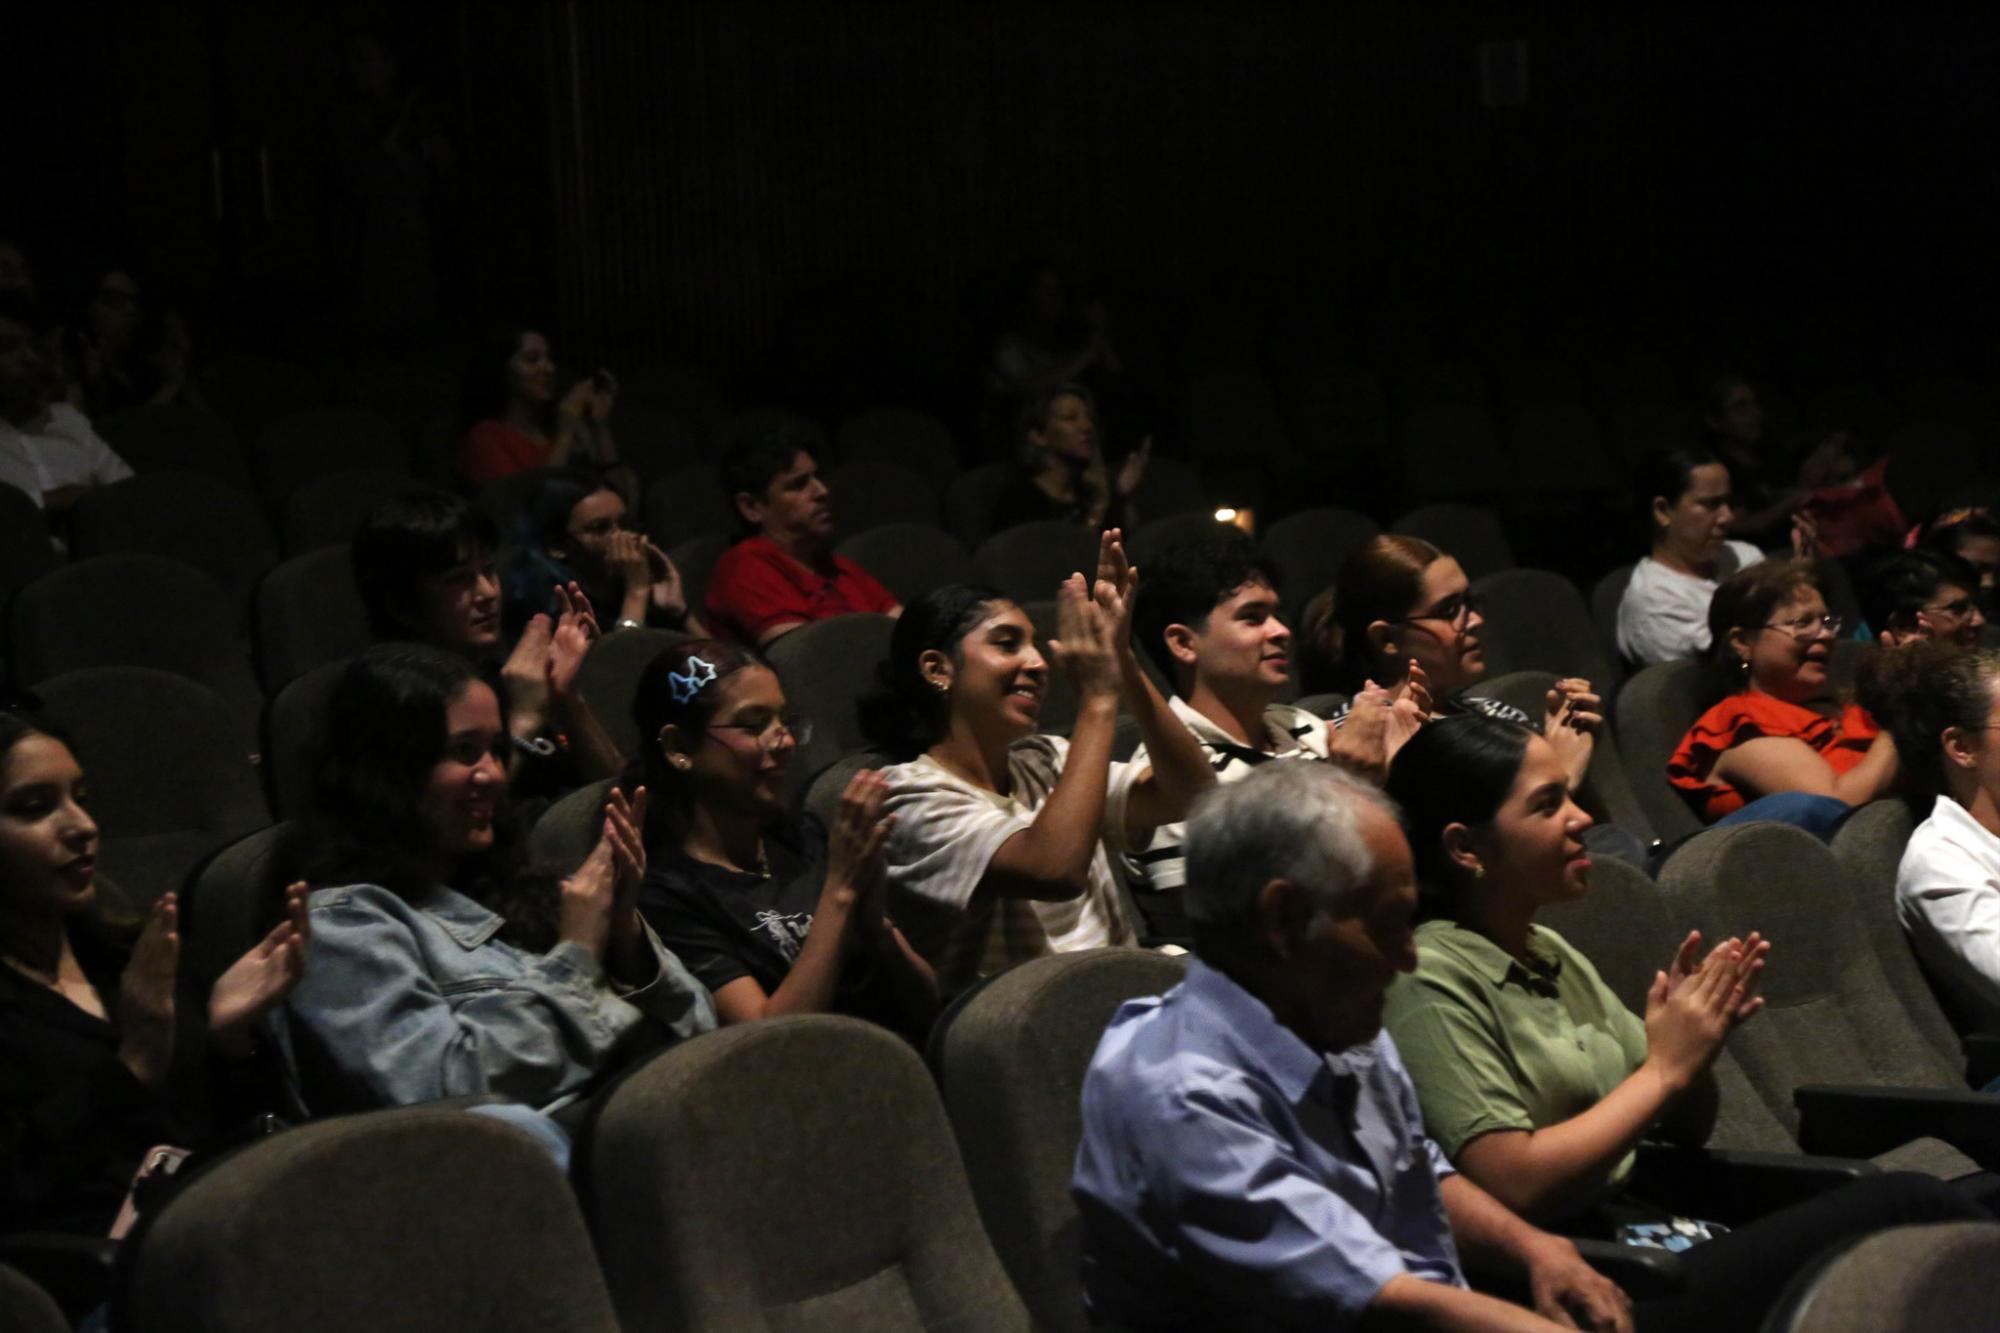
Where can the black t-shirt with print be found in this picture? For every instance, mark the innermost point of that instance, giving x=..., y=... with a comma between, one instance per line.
x=726, y=924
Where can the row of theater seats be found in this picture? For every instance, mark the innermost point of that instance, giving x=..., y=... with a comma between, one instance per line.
x=840, y=1184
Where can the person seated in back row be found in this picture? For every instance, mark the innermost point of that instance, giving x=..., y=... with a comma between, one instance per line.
x=782, y=573
x=1208, y=617
x=577, y=531
x=1663, y=612
x=47, y=449
x=423, y=563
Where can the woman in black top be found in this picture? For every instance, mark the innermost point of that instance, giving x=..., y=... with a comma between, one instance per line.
x=1063, y=475
x=771, y=913
x=87, y=1006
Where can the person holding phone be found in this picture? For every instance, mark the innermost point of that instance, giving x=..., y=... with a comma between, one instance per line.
x=515, y=420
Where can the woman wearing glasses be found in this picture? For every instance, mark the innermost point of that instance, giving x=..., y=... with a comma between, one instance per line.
x=774, y=914
x=1409, y=619
x=1768, y=751
x=1920, y=595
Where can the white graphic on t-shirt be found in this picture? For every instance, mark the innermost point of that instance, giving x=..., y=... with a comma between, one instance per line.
x=786, y=929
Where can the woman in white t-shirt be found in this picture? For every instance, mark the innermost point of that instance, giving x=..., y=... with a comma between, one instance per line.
x=1942, y=704
x=997, y=853
x=1663, y=615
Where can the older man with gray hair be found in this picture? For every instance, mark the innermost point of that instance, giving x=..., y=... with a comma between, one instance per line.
x=1252, y=1154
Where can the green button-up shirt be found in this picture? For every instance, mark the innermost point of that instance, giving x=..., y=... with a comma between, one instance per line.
x=1494, y=1044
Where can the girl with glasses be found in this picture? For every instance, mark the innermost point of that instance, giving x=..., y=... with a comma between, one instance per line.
x=1410, y=622
x=775, y=913
x=577, y=531
x=1780, y=745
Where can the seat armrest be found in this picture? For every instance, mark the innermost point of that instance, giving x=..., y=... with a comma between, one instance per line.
x=1982, y=1057
x=1644, y=1272
x=1735, y=1186
x=1861, y=1121
x=76, y=1271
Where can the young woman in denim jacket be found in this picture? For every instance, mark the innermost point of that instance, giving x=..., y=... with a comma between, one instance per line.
x=439, y=968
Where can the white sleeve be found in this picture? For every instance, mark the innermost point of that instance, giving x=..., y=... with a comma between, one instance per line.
x=1949, y=900
x=1655, y=625
x=944, y=836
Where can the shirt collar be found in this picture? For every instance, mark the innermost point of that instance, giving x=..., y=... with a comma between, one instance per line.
x=1489, y=959
x=466, y=921
x=1284, y=726
x=1959, y=822
x=1246, y=1025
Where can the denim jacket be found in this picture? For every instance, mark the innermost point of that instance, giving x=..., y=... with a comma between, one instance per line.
x=409, y=1000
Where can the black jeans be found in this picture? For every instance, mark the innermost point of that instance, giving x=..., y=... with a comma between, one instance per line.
x=1734, y=1279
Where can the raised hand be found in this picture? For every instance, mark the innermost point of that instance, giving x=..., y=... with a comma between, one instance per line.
x=260, y=980
x=668, y=594
x=1416, y=689
x=857, y=863
x=583, y=913
x=1570, y=724
x=629, y=560
x=525, y=677
x=1687, y=1024
x=626, y=948
x=146, y=996
x=1132, y=472
x=1116, y=585
x=1084, y=648
x=569, y=643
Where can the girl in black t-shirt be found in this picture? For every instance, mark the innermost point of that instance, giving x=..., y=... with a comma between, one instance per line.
x=773, y=914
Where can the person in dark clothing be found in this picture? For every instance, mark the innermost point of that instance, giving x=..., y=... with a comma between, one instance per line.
x=774, y=915
x=1063, y=475
x=87, y=1004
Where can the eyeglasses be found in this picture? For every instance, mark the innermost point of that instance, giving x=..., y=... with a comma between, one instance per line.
x=1808, y=627
x=1455, y=610
x=772, y=733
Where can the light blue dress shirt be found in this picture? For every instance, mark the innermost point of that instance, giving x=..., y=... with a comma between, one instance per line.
x=1232, y=1177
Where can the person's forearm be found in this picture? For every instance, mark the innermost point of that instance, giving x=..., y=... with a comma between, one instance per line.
x=1491, y=1237
x=597, y=755
x=814, y=980
x=1180, y=770
x=1549, y=1173
x=1690, y=1118
x=1407, y=1302
x=636, y=603
x=568, y=428
x=1050, y=859
x=1872, y=777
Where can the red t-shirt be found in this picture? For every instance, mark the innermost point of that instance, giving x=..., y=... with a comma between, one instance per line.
x=493, y=449
x=755, y=586
x=1842, y=742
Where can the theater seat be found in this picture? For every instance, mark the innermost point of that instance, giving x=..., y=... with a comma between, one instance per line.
x=909, y=559
x=1905, y=1280
x=1471, y=533
x=1309, y=546
x=1654, y=711
x=869, y=493
x=795, y=1173
x=1536, y=620
x=26, y=1308
x=309, y=613
x=609, y=678
x=915, y=440
x=568, y=831
x=1011, y=1059
x=405, y=1219
x=170, y=779
x=825, y=668
x=1029, y=561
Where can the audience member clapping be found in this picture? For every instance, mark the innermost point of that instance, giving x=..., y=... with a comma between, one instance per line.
x=424, y=564
x=514, y=420
x=783, y=573
x=87, y=1040
x=1063, y=476
x=1535, y=1079
x=439, y=966
x=998, y=850
x=1767, y=751
x=774, y=914
x=1410, y=622
x=48, y=450
x=578, y=533
x=1663, y=614
x=1208, y=616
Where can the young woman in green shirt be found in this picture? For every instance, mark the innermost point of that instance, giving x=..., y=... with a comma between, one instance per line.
x=1533, y=1077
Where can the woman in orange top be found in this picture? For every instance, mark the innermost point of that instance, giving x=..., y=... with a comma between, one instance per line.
x=514, y=421
x=1765, y=752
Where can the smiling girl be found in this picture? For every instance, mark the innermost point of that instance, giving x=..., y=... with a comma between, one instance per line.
x=998, y=851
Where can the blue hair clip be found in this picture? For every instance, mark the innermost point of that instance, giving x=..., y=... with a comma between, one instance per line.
x=699, y=673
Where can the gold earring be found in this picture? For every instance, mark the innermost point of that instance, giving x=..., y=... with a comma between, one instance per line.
x=941, y=686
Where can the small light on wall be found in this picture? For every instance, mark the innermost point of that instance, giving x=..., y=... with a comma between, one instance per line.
x=1225, y=515
x=1238, y=516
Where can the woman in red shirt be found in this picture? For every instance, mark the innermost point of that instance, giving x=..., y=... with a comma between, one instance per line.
x=514, y=421
x=1772, y=633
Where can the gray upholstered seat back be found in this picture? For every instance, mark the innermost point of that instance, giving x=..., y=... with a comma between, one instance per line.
x=1654, y=711
x=26, y=1308
x=1906, y=1280
x=1829, y=1016
x=1013, y=1061
x=398, y=1220
x=1869, y=847
x=792, y=1173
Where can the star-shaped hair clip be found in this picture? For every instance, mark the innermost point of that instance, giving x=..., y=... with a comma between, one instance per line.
x=700, y=672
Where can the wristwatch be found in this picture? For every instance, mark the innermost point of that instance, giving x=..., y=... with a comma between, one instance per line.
x=626, y=622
